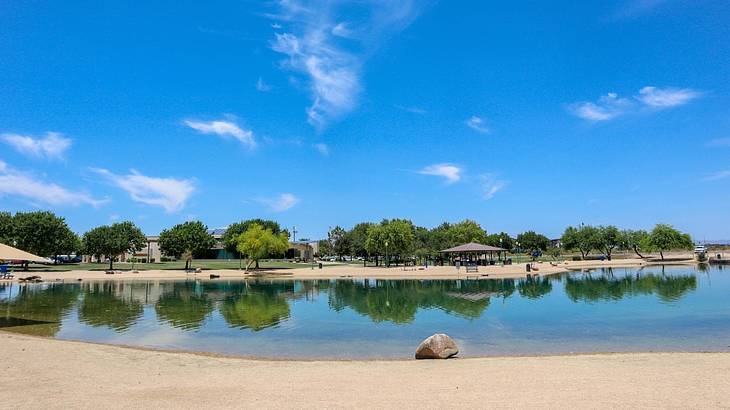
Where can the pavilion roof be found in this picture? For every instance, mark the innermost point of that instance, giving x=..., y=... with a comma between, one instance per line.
x=473, y=247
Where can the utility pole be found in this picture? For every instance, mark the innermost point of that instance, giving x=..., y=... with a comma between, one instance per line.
x=294, y=233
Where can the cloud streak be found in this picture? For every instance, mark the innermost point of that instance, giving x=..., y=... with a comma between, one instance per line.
x=171, y=194
x=716, y=176
x=450, y=172
x=491, y=185
x=37, y=191
x=224, y=129
x=322, y=149
x=611, y=106
x=331, y=52
x=477, y=124
x=53, y=146
x=281, y=203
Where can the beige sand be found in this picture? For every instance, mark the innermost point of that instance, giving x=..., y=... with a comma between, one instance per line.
x=46, y=373
x=350, y=271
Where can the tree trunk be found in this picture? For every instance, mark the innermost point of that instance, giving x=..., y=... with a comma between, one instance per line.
x=257, y=264
x=661, y=253
x=187, y=264
x=582, y=255
x=636, y=250
x=111, y=263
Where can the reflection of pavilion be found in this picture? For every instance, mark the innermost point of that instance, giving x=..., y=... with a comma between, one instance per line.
x=474, y=296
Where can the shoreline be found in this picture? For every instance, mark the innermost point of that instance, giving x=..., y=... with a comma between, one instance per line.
x=7, y=333
x=516, y=271
x=59, y=373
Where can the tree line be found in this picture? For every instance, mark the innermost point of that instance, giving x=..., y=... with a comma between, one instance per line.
x=391, y=240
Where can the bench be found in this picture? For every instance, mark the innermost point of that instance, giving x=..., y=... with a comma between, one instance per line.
x=472, y=268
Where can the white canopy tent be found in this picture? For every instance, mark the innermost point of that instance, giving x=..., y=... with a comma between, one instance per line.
x=8, y=253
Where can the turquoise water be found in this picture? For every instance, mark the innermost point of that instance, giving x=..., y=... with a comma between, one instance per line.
x=653, y=309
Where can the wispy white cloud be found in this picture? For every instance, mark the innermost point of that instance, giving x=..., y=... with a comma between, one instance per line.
x=666, y=97
x=611, y=105
x=53, y=146
x=262, y=86
x=450, y=172
x=636, y=8
x=331, y=52
x=715, y=176
x=223, y=128
x=477, y=124
x=169, y=193
x=607, y=107
x=490, y=185
x=342, y=30
x=322, y=149
x=281, y=203
x=37, y=191
x=719, y=142
x=411, y=109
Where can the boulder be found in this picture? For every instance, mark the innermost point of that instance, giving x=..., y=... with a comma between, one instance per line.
x=438, y=346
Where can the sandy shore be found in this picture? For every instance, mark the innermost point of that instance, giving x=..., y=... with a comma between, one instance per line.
x=515, y=271
x=47, y=373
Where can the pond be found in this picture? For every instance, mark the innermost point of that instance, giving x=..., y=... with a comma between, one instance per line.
x=607, y=310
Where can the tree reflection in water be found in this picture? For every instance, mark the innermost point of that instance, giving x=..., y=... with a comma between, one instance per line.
x=38, y=310
x=535, y=287
x=398, y=301
x=105, y=304
x=591, y=288
x=183, y=305
x=256, y=305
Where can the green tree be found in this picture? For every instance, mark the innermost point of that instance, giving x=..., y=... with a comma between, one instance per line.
x=607, y=239
x=6, y=228
x=67, y=244
x=258, y=243
x=42, y=233
x=502, y=240
x=533, y=241
x=634, y=240
x=339, y=241
x=325, y=247
x=582, y=238
x=186, y=240
x=466, y=231
x=234, y=230
x=357, y=237
x=392, y=238
x=113, y=240
x=665, y=238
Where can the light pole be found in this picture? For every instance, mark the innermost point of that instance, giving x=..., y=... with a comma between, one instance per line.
x=387, y=261
x=500, y=245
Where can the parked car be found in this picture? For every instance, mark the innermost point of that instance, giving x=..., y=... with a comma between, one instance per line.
x=700, y=249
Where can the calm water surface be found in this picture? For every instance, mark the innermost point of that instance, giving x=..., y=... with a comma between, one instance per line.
x=656, y=308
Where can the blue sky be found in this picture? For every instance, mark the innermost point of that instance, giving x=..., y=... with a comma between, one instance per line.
x=523, y=115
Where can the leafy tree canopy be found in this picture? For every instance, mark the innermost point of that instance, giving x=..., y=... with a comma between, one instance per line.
x=258, y=243
x=665, y=238
x=6, y=228
x=230, y=238
x=187, y=239
x=533, y=241
x=113, y=240
x=42, y=233
x=582, y=238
